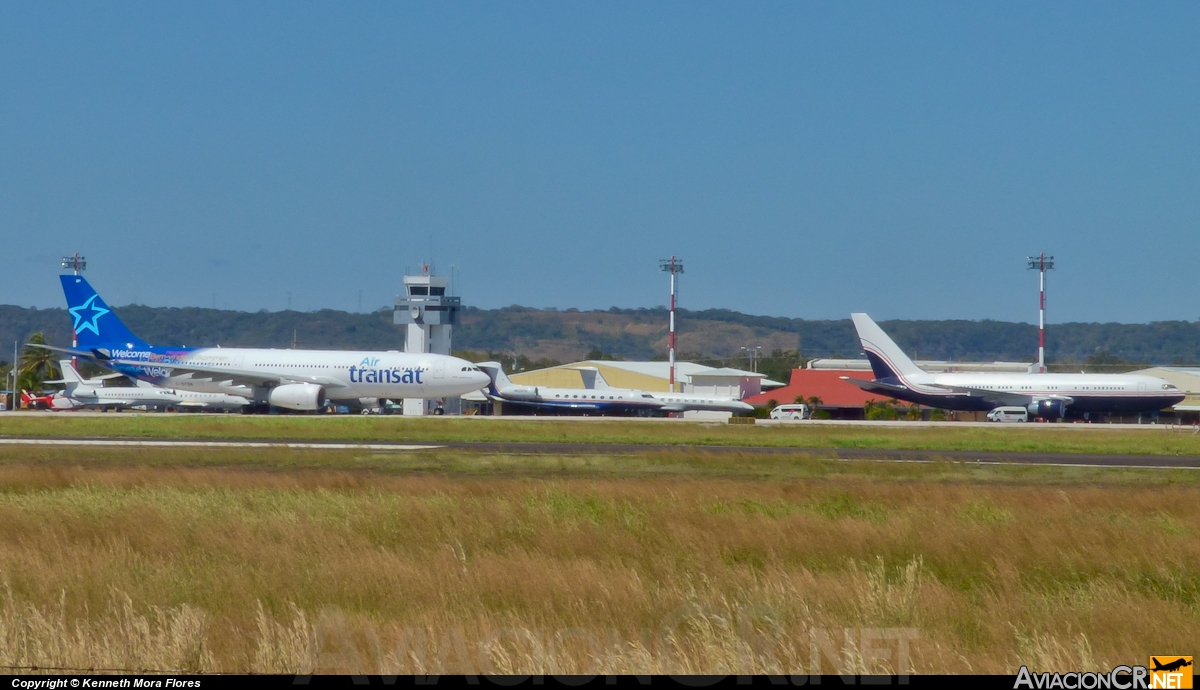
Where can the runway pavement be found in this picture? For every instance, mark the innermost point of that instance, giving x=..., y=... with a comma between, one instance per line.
x=1189, y=462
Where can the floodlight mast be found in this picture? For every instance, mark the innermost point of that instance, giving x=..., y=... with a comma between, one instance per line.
x=673, y=266
x=1041, y=263
x=16, y=402
x=76, y=263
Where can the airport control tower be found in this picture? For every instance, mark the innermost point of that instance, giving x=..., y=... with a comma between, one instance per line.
x=429, y=315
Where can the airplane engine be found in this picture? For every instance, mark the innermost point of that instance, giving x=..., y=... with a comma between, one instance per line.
x=521, y=393
x=1048, y=409
x=298, y=396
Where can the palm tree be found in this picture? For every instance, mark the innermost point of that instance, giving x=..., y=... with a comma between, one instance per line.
x=38, y=364
x=813, y=403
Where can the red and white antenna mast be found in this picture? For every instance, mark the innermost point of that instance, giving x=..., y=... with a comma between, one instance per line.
x=1041, y=263
x=672, y=266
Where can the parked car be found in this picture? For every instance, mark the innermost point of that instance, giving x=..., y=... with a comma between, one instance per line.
x=1008, y=414
x=796, y=411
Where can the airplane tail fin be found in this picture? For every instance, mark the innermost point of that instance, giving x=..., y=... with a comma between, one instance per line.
x=69, y=375
x=495, y=372
x=592, y=378
x=95, y=324
x=888, y=361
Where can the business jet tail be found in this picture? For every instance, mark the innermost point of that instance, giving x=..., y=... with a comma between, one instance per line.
x=888, y=361
x=495, y=372
x=592, y=378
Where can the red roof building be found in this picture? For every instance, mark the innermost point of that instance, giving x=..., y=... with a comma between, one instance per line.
x=835, y=394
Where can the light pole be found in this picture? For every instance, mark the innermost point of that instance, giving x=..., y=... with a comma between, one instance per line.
x=672, y=266
x=76, y=263
x=752, y=353
x=15, y=399
x=1041, y=263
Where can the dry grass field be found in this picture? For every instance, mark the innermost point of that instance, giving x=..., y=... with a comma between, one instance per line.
x=295, y=561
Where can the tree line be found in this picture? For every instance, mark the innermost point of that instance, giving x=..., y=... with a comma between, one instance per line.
x=637, y=334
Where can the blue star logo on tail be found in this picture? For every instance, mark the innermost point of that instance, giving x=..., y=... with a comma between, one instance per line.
x=88, y=323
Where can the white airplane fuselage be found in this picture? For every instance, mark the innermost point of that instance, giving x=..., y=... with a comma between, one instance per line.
x=1087, y=392
x=100, y=396
x=345, y=374
x=582, y=400
x=682, y=402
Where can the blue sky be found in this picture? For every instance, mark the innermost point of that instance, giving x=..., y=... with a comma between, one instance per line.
x=804, y=159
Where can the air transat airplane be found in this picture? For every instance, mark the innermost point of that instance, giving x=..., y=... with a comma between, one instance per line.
x=611, y=400
x=672, y=402
x=1045, y=395
x=291, y=379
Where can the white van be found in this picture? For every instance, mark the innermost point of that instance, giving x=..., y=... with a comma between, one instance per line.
x=1008, y=414
x=791, y=412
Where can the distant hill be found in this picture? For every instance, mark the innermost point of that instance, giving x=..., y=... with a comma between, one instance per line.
x=714, y=334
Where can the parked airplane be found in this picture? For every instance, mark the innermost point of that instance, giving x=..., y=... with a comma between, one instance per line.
x=37, y=402
x=672, y=402
x=292, y=379
x=1045, y=395
x=196, y=401
x=80, y=392
x=609, y=400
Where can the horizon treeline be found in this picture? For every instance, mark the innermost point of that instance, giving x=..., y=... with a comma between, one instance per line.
x=634, y=334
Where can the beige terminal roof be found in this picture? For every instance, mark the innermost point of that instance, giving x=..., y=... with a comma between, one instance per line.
x=646, y=376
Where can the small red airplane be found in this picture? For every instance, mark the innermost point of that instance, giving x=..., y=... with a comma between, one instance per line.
x=53, y=401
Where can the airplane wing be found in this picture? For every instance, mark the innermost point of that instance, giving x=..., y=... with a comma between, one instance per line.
x=999, y=398
x=875, y=386
x=572, y=406
x=78, y=353
x=233, y=376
